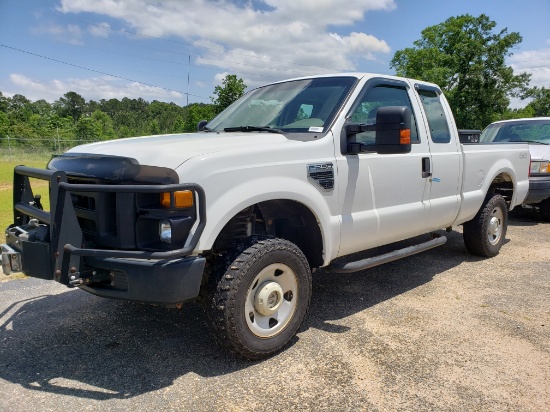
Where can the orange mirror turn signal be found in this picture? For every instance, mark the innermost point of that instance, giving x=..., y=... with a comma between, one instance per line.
x=405, y=136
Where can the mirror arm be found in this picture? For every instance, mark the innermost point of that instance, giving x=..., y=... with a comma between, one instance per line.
x=356, y=148
x=353, y=129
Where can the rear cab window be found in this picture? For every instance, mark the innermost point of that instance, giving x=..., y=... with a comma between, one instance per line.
x=435, y=114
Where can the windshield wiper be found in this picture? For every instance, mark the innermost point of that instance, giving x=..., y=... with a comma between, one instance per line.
x=538, y=142
x=252, y=129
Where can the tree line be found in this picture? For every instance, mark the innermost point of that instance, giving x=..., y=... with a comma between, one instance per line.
x=71, y=117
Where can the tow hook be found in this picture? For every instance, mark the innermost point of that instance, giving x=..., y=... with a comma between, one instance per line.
x=76, y=280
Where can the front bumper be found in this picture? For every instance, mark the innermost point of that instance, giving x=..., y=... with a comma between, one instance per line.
x=539, y=189
x=166, y=282
x=51, y=245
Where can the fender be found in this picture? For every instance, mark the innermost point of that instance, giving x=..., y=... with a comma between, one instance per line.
x=477, y=181
x=224, y=208
x=237, y=179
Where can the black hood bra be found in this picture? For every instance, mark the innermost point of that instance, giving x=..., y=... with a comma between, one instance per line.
x=111, y=169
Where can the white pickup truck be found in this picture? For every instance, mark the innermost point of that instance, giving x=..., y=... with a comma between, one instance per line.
x=287, y=179
x=536, y=132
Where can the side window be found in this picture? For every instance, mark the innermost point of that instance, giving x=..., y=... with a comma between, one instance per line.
x=372, y=100
x=439, y=129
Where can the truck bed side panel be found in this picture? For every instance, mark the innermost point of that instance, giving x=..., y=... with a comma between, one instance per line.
x=482, y=164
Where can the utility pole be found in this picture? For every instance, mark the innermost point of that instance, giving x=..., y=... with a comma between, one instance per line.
x=188, y=72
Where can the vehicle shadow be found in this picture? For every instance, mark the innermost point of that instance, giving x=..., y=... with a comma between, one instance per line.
x=525, y=216
x=337, y=296
x=77, y=344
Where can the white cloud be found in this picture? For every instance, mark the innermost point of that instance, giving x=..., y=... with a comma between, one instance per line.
x=333, y=12
x=100, y=30
x=93, y=88
x=535, y=62
x=278, y=39
x=219, y=77
x=71, y=33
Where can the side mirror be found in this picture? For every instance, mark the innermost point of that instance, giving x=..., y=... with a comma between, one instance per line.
x=393, y=132
x=200, y=126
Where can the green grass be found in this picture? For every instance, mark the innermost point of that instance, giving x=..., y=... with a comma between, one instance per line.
x=7, y=163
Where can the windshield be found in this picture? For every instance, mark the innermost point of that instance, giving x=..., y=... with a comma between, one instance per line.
x=296, y=106
x=532, y=131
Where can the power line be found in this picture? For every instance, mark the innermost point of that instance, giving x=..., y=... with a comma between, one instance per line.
x=100, y=72
x=138, y=71
x=286, y=70
x=177, y=63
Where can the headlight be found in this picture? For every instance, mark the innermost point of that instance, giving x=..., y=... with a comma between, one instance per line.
x=540, y=166
x=165, y=231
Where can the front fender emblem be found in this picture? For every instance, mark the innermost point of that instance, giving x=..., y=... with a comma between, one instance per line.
x=322, y=175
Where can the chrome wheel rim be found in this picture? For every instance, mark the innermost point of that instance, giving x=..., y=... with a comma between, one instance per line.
x=494, y=228
x=271, y=300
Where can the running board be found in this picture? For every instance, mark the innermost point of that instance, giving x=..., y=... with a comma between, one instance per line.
x=387, y=257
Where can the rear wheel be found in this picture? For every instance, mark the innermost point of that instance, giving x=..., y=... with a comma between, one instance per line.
x=484, y=235
x=259, y=296
x=544, y=208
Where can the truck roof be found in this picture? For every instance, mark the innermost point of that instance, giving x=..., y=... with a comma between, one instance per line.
x=358, y=75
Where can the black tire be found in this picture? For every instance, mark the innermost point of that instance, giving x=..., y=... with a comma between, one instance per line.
x=254, y=278
x=484, y=235
x=544, y=209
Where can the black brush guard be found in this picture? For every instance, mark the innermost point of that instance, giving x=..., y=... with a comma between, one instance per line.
x=60, y=256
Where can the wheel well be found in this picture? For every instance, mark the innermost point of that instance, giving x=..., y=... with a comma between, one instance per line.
x=286, y=219
x=504, y=186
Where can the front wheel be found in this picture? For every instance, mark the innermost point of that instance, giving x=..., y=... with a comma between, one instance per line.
x=259, y=296
x=484, y=235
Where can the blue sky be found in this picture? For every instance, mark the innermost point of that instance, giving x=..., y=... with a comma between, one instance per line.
x=164, y=49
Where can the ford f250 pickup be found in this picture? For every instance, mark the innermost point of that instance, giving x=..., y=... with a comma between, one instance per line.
x=287, y=179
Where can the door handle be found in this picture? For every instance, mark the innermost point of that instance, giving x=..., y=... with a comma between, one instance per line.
x=426, y=167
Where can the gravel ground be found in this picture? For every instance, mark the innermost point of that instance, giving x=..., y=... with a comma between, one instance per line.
x=439, y=331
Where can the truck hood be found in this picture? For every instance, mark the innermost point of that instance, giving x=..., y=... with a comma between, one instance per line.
x=174, y=149
x=539, y=151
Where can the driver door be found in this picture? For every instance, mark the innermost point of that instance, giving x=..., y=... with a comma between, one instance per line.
x=383, y=197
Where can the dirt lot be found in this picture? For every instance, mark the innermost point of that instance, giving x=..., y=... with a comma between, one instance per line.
x=438, y=331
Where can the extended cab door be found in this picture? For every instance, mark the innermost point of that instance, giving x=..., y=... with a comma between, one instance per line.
x=446, y=160
x=383, y=197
